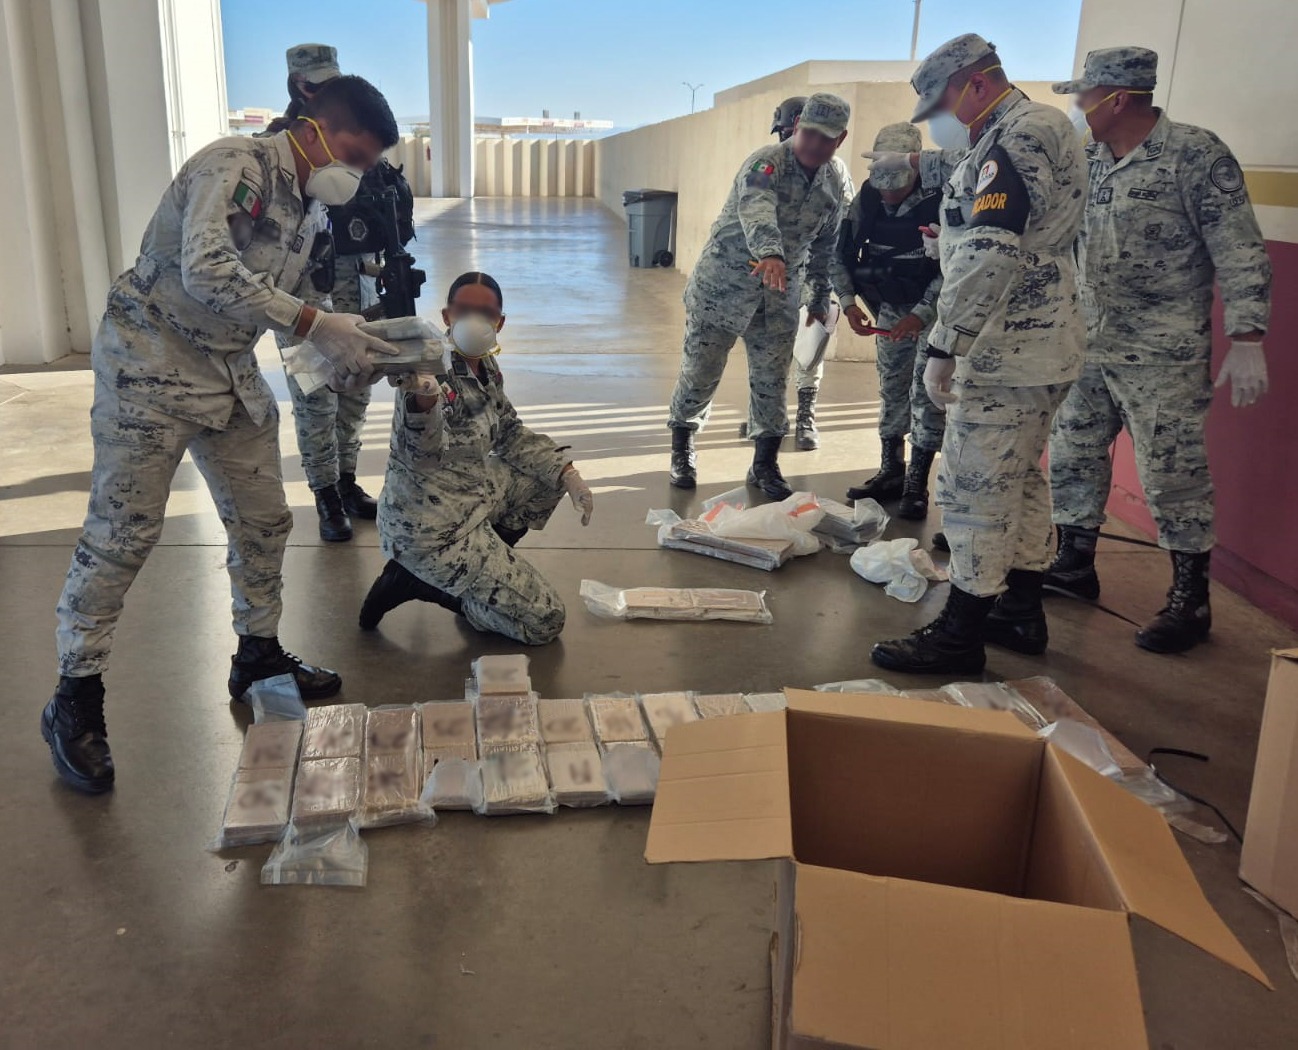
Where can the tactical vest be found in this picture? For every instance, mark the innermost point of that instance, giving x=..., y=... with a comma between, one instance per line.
x=871, y=247
x=362, y=225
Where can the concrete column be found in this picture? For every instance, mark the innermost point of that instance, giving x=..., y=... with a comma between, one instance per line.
x=450, y=97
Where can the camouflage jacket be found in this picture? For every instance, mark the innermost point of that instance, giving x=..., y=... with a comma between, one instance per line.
x=1160, y=223
x=1011, y=209
x=438, y=486
x=774, y=208
x=230, y=252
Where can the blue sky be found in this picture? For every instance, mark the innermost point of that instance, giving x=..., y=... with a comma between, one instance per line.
x=623, y=61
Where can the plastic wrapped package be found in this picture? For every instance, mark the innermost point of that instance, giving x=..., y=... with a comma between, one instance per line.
x=695, y=537
x=336, y=731
x=433, y=755
x=858, y=685
x=449, y=724
x=856, y=525
x=275, y=700
x=564, y=722
x=631, y=770
x=327, y=790
x=900, y=565
x=617, y=719
x=271, y=745
x=514, y=780
x=675, y=603
x=720, y=705
x=507, y=720
x=577, y=774
x=393, y=768
x=419, y=342
x=392, y=730
x=452, y=782
x=997, y=696
x=766, y=701
x=932, y=696
x=1084, y=743
x=334, y=855
x=258, y=807
x=664, y=710
x=502, y=675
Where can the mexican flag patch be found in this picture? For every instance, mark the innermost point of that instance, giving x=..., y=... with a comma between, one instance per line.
x=248, y=199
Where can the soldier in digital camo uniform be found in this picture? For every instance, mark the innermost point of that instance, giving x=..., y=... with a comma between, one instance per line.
x=237, y=246
x=1007, y=343
x=786, y=204
x=1166, y=212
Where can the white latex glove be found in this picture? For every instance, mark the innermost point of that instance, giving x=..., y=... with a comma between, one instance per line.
x=579, y=492
x=887, y=162
x=937, y=381
x=930, y=234
x=1245, y=367
x=344, y=345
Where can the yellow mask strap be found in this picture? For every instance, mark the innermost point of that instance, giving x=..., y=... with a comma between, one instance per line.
x=1111, y=94
x=319, y=131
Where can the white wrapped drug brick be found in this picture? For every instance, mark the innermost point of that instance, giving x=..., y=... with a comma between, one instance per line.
x=564, y=722
x=507, y=720
x=392, y=787
x=448, y=724
x=576, y=774
x=617, y=719
x=392, y=731
x=328, y=790
x=766, y=701
x=258, y=807
x=271, y=745
x=452, y=782
x=514, y=780
x=433, y=755
x=664, y=710
x=337, y=731
x=502, y=675
x=720, y=705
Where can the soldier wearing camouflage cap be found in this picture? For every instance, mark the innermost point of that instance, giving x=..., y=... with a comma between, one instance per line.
x=884, y=250
x=1004, y=349
x=812, y=340
x=1167, y=212
x=785, y=205
x=312, y=63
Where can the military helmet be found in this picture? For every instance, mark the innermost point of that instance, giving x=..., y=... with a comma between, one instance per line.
x=786, y=115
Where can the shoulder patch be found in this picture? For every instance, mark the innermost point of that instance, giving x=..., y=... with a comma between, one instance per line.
x=1001, y=199
x=760, y=174
x=1225, y=175
x=247, y=194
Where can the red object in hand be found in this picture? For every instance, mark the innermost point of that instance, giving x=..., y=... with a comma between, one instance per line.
x=871, y=330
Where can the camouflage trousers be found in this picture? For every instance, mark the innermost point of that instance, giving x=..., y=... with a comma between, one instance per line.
x=329, y=425
x=904, y=405
x=501, y=590
x=768, y=340
x=1164, y=408
x=137, y=451
x=994, y=497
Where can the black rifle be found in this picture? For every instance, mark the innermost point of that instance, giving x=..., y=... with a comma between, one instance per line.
x=379, y=222
x=398, y=280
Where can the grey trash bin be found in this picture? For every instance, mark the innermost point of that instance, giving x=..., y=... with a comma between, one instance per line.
x=651, y=226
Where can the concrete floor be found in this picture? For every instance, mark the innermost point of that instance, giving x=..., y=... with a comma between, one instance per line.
x=117, y=929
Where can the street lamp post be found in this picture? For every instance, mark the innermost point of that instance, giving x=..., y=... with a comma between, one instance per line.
x=693, y=88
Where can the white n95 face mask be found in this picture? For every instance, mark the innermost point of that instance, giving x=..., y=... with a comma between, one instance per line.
x=947, y=132
x=331, y=184
x=1078, y=116
x=474, y=336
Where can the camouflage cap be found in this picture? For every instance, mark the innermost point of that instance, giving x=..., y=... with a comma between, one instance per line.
x=902, y=137
x=825, y=113
x=1124, y=67
x=933, y=74
x=315, y=63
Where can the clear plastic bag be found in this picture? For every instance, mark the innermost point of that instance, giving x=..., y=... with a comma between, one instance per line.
x=900, y=565
x=858, y=685
x=997, y=696
x=419, y=341
x=310, y=369
x=853, y=526
x=393, y=769
x=667, y=603
x=766, y=701
x=507, y=720
x=327, y=791
x=502, y=675
x=663, y=711
x=333, y=855
x=449, y=725
x=1084, y=743
x=336, y=731
x=257, y=808
x=276, y=700
x=616, y=719
x=631, y=770
x=720, y=705
x=514, y=780
x=564, y=722
x=577, y=775
x=791, y=519
x=452, y=783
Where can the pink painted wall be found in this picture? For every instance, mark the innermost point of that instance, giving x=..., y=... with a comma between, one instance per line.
x=1254, y=457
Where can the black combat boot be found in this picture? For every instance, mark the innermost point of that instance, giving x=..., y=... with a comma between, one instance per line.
x=1073, y=570
x=806, y=436
x=335, y=526
x=260, y=658
x=888, y=483
x=397, y=585
x=1017, y=621
x=941, y=543
x=684, y=472
x=914, y=495
x=510, y=537
x=73, y=725
x=951, y=644
x=356, y=501
x=765, y=471
x=1187, y=617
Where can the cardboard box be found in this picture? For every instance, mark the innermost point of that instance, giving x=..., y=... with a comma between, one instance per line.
x=946, y=878
x=1270, y=859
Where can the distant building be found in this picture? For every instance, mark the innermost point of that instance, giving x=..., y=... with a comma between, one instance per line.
x=251, y=119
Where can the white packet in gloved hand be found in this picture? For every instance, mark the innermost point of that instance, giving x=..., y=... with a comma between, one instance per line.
x=276, y=700
x=321, y=856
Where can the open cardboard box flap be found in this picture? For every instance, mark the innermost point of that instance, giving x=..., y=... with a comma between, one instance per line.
x=880, y=707
x=895, y=963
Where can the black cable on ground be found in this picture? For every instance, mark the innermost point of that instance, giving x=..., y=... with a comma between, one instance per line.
x=1129, y=539
x=1198, y=757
